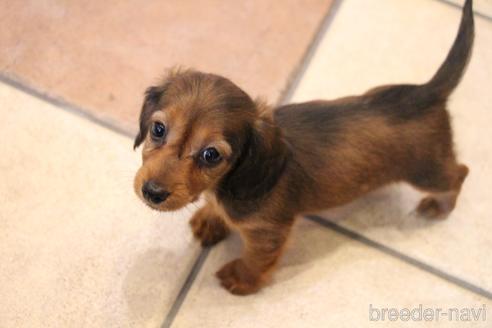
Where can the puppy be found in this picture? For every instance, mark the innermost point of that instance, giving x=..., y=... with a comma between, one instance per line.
x=258, y=168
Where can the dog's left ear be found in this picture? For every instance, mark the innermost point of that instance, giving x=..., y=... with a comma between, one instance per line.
x=260, y=165
x=151, y=102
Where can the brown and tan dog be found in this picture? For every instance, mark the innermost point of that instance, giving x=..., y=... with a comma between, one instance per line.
x=258, y=168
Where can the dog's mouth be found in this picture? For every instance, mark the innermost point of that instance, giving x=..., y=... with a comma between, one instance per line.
x=155, y=207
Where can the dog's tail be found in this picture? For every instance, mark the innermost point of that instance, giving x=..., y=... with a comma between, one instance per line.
x=449, y=74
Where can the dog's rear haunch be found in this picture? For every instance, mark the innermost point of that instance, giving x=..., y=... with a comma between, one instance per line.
x=259, y=167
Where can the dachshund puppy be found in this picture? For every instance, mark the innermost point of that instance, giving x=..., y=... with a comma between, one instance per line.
x=259, y=167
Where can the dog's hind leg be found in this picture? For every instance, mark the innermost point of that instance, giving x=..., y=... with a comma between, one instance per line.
x=443, y=186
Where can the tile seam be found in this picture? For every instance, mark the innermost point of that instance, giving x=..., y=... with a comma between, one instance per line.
x=401, y=256
x=297, y=74
x=64, y=105
x=460, y=7
x=185, y=288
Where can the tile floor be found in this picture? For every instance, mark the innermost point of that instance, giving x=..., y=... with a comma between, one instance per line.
x=125, y=46
x=78, y=249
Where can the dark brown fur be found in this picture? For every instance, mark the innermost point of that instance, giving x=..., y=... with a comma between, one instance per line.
x=296, y=159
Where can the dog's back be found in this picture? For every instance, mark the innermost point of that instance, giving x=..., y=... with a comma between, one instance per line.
x=352, y=145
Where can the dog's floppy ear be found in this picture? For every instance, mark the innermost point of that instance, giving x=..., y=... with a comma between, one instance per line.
x=259, y=166
x=153, y=96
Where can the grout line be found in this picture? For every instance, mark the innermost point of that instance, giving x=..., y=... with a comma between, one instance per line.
x=65, y=105
x=200, y=260
x=476, y=12
x=405, y=258
x=299, y=71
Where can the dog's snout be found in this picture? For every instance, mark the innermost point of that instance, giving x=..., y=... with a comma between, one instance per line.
x=154, y=193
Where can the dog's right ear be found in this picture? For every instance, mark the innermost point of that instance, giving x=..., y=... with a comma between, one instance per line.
x=151, y=102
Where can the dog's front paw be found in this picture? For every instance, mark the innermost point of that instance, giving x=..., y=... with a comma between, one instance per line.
x=433, y=208
x=209, y=230
x=238, y=279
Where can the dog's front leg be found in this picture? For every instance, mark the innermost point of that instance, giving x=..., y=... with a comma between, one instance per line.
x=208, y=226
x=263, y=245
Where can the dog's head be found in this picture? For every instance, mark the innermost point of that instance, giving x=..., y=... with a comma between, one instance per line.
x=202, y=132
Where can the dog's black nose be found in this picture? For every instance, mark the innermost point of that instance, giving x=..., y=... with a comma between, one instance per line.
x=153, y=192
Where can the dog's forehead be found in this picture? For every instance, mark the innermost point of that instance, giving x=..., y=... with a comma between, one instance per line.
x=206, y=136
x=192, y=130
x=190, y=141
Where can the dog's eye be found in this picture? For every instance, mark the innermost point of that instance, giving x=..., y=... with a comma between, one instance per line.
x=210, y=156
x=158, y=131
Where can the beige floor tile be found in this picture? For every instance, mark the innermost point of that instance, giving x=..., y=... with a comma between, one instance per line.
x=324, y=280
x=406, y=41
x=481, y=6
x=77, y=248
